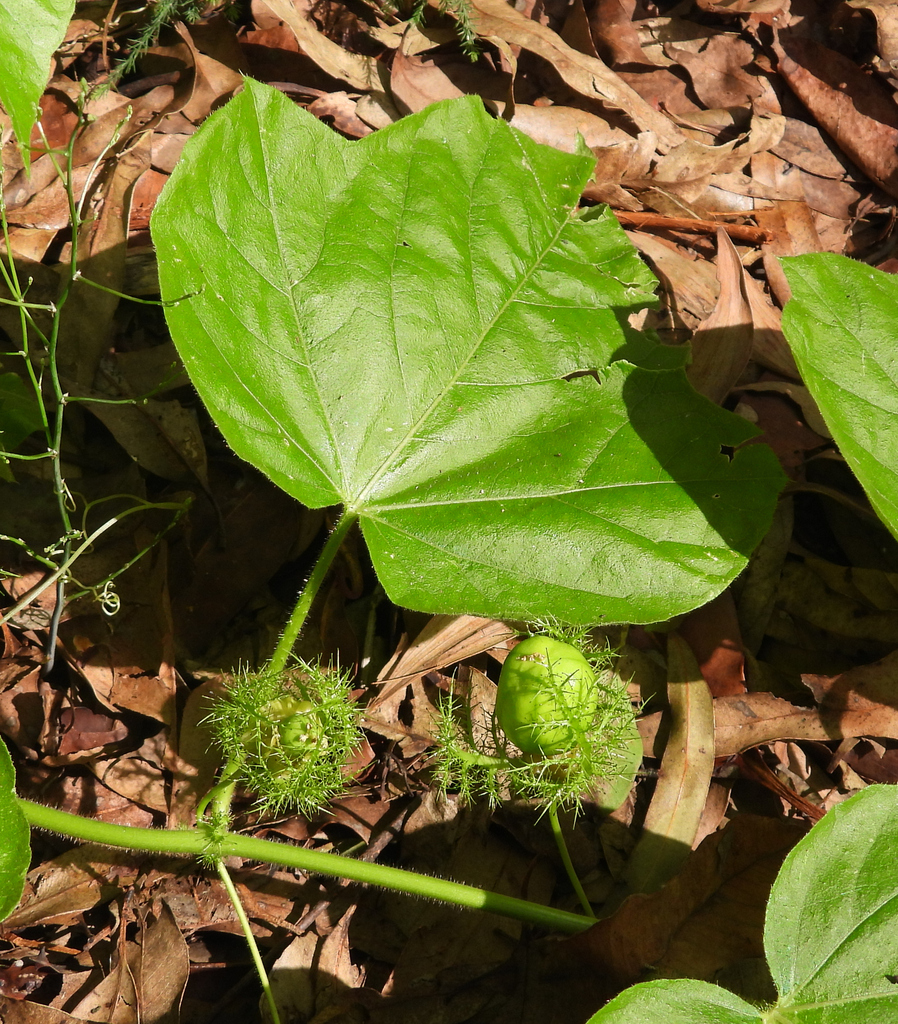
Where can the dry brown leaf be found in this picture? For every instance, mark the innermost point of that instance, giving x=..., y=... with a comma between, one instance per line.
x=586, y=75
x=804, y=146
x=136, y=780
x=804, y=592
x=859, y=702
x=362, y=73
x=314, y=973
x=759, y=582
x=417, y=80
x=744, y=6
x=886, y=14
x=443, y=946
x=696, y=162
x=753, y=719
x=213, y=84
x=158, y=369
x=160, y=967
x=664, y=87
x=713, y=634
x=147, y=981
x=24, y=698
x=722, y=344
x=874, y=587
x=707, y=918
x=60, y=890
x=86, y=329
x=340, y=108
x=717, y=71
x=783, y=428
x=769, y=345
x=219, y=572
x=46, y=209
x=162, y=436
x=690, y=285
x=199, y=757
x=132, y=665
x=166, y=151
x=576, y=31
x=789, y=220
x=848, y=104
x=389, y=717
x=802, y=398
x=563, y=127
x=83, y=730
x=14, y=1011
x=614, y=32
x=445, y=640
x=673, y=817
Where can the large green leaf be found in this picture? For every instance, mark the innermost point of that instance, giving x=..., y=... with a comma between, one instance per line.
x=830, y=933
x=390, y=324
x=15, y=852
x=30, y=32
x=842, y=326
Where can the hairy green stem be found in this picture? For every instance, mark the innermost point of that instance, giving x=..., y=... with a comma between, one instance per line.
x=568, y=863
x=211, y=845
x=234, y=897
x=220, y=799
x=297, y=620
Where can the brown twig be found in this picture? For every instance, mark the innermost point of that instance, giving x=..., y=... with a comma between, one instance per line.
x=740, y=232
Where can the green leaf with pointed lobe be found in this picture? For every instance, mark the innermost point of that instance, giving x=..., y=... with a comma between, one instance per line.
x=423, y=327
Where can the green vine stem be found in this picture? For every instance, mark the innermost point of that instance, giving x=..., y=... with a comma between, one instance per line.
x=236, y=903
x=297, y=619
x=32, y=595
x=209, y=844
x=568, y=863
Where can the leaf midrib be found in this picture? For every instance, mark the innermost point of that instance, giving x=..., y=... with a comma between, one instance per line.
x=357, y=505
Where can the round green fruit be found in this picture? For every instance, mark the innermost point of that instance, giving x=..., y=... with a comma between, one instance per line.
x=547, y=693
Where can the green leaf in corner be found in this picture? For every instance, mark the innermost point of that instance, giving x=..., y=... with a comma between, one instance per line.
x=829, y=934
x=833, y=916
x=423, y=327
x=15, y=853
x=842, y=326
x=30, y=32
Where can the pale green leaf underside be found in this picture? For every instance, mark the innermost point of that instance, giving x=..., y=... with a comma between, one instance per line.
x=30, y=32
x=15, y=852
x=387, y=325
x=842, y=326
